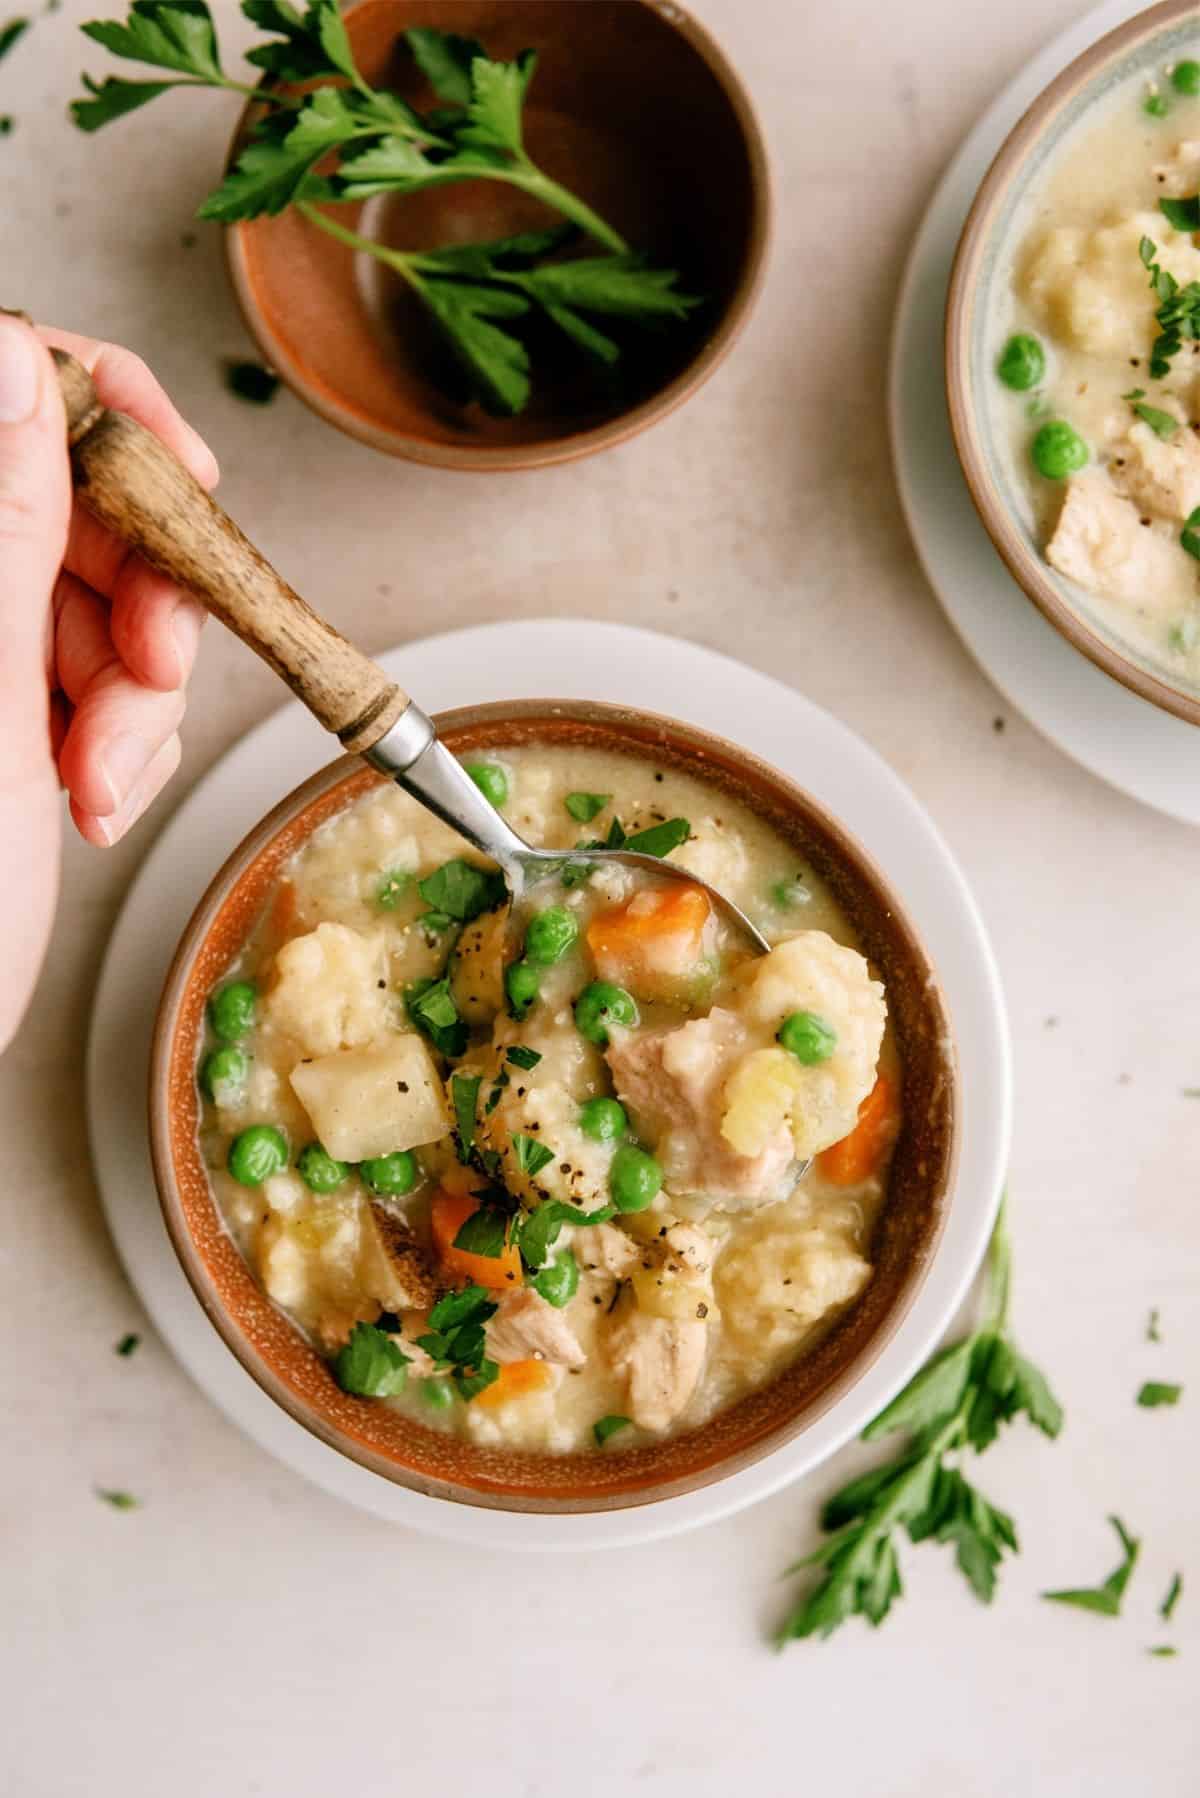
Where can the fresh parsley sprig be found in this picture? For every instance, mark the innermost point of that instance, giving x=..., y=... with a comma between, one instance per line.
x=1178, y=313
x=958, y=1401
x=472, y=292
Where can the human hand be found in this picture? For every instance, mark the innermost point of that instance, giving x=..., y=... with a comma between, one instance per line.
x=97, y=647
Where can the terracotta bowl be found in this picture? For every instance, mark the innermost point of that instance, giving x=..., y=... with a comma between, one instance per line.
x=982, y=264
x=397, y=1448
x=635, y=108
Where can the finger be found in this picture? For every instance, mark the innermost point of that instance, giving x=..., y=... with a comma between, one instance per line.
x=61, y=713
x=155, y=628
x=118, y=728
x=110, y=828
x=83, y=645
x=34, y=502
x=125, y=383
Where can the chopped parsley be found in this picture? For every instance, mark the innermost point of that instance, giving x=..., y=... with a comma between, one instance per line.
x=1153, y=1393
x=1153, y=1333
x=1178, y=312
x=539, y=1229
x=1105, y=1599
x=521, y=1057
x=120, y=1501
x=392, y=887
x=252, y=382
x=462, y=891
x=464, y=1091
x=1163, y=424
x=127, y=1345
x=455, y=1339
x=531, y=1156
x=1174, y=1590
x=1184, y=214
x=10, y=33
x=659, y=839
x=370, y=1365
x=1189, y=537
x=433, y=1011
x=485, y=1232
x=604, y=1427
x=583, y=807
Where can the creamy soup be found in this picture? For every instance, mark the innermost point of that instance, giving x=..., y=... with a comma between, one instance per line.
x=532, y=1179
x=1099, y=398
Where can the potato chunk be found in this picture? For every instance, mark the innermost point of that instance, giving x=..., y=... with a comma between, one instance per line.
x=330, y=992
x=373, y=1101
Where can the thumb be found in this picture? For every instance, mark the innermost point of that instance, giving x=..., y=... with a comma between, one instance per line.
x=35, y=501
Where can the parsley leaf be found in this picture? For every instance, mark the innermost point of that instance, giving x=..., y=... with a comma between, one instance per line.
x=370, y=1364
x=1153, y=1333
x=301, y=54
x=539, y=1230
x=955, y=1403
x=1184, y=214
x=583, y=807
x=496, y=99
x=113, y=99
x=1178, y=313
x=604, y=1427
x=127, y=1345
x=531, y=1156
x=457, y=1307
x=1172, y=1598
x=521, y=1057
x=1163, y=1652
x=485, y=1233
x=659, y=839
x=1189, y=536
x=1105, y=1599
x=433, y=1011
x=462, y=890
x=169, y=34
x=1163, y=424
x=456, y=1339
x=1153, y=1393
x=251, y=381
x=9, y=34
x=271, y=170
x=120, y=1501
x=464, y=1091
x=445, y=60
x=495, y=360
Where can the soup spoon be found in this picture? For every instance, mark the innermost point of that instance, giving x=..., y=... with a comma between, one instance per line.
x=137, y=487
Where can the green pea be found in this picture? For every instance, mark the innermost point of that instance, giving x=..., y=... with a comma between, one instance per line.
x=809, y=1038
x=231, y=1011
x=223, y=1074
x=1022, y=363
x=1058, y=450
x=550, y=935
x=521, y=983
x=491, y=781
x=604, y=1120
x=559, y=1282
x=1156, y=105
x=437, y=1394
x=319, y=1171
x=257, y=1153
x=600, y=1005
x=395, y=1174
x=635, y=1179
x=392, y=887
x=1185, y=77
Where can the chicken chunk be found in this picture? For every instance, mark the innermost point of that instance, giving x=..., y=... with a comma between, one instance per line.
x=603, y=1249
x=526, y=1328
x=673, y=1080
x=662, y=1359
x=396, y=1269
x=1100, y=542
x=1161, y=475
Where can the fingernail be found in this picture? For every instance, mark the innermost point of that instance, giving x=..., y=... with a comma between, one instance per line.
x=20, y=367
x=122, y=763
x=185, y=631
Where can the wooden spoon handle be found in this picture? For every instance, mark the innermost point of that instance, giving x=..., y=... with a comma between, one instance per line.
x=143, y=493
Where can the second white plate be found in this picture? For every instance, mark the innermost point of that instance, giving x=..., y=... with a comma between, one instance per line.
x=547, y=658
x=1126, y=741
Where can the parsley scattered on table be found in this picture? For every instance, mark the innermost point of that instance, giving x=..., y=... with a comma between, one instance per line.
x=370, y=1364
x=1153, y=1393
x=127, y=1344
x=1174, y=1590
x=1164, y=1651
x=958, y=1401
x=1104, y=1599
x=9, y=34
x=120, y=1501
x=1153, y=1331
x=252, y=382
x=472, y=292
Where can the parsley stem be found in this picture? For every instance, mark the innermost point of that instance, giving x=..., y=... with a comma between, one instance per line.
x=998, y=1275
x=531, y=180
x=397, y=259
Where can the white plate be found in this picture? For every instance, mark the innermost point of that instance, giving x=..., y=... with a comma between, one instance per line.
x=541, y=659
x=1126, y=741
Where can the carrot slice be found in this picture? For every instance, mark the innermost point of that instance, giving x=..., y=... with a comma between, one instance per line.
x=857, y=1156
x=655, y=941
x=514, y=1380
x=448, y=1212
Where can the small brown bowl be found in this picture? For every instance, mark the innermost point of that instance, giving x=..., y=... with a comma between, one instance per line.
x=634, y=108
x=396, y=1447
x=984, y=256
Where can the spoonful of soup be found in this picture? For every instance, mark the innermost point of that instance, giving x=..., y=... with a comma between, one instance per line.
x=142, y=492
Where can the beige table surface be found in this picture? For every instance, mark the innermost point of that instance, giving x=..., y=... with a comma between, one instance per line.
x=243, y=1633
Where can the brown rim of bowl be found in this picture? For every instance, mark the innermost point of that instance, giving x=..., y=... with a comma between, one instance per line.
x=512, y=457
x=278, y=1357
x=1025, y=567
